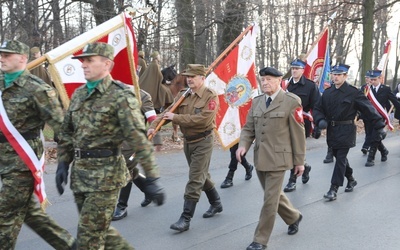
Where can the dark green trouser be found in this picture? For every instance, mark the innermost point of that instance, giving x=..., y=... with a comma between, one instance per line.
x=17, y=205
x=95, y=213
x=198, y=156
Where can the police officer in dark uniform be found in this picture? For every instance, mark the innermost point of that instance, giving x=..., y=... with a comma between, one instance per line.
x=196, y=118
x=337, y=110
x=309, y=94
x=384, y=96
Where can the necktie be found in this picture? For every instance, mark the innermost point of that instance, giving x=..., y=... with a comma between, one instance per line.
x=269, y=100
x=376, y=89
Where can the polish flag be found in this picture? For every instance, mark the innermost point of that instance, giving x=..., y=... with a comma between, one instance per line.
x=235, y=82
x=67, y=73
x=316, y=58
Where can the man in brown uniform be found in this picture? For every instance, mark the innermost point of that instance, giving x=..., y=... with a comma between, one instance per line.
x=40, y=71
x=142, y=64
x=275, y=124
x=196, y=118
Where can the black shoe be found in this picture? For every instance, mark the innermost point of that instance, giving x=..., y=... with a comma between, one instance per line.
x=119, y=213
x=294, y=228
x=256, y=246
x=249, y=173
x=350, y=186
x=145, y=202
x=370, y=163
x=331, y=195
x=384, y=155
x=364, y=151
x=306, y=174
x=227, y=183
x=291, y=186
x=328, y=160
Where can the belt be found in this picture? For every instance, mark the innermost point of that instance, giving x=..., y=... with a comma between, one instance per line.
x=335, y=123
x=96, y=153
x=198, y=136
x=27, y=136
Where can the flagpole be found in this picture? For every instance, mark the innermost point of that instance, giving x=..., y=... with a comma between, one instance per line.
x=228, y=49
x=131, y=61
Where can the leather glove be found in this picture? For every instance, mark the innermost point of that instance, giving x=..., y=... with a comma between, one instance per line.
x=378, y=135
x=322, y=124
x=62, y=176
x=316, y=132
x=154, y=191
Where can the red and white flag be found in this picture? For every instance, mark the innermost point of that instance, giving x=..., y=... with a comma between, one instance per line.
x=316, y=57
x=67, y=73
x=384, y=60
x=235, y=82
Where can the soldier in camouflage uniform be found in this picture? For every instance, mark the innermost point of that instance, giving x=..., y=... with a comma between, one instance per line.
x=102, y=114
x=29, y=103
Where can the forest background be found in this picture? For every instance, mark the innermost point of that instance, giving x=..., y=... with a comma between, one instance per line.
x=188, y=31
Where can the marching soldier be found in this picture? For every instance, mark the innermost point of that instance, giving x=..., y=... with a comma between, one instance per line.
x=103, y=113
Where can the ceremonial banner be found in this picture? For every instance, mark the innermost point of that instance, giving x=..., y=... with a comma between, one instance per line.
x=235, y=82
x=67, y=73
x=317, y=58
x=384, y=60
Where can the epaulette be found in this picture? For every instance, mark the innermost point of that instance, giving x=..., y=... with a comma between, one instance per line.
x=120, y=84
x=36, y=79
x=353, y=86
x=258, y=96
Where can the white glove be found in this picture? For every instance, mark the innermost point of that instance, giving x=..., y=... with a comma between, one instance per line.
x=398, y=95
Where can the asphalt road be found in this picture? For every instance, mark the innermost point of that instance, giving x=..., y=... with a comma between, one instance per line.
x=364, y=219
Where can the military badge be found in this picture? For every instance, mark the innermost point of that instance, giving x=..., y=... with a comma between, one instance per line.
x=298, y=115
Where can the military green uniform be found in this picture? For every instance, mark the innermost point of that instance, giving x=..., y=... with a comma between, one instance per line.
x=95, y=126
x=196, y=119
x=29, y=103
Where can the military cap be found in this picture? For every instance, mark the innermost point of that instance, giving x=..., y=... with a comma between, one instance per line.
x=340, y=69
x=375, y=73
x=270, y=71
x=195, y=70
x=35, y=50
x=141, y=53
x=367, y=73
x=297, y=63
x=97, y=49
x=154, y=54
x=15, y=47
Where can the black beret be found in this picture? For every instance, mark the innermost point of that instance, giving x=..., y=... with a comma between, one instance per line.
x=269, y=71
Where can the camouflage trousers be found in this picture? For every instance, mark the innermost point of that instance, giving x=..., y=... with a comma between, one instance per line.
x=95, y=213
x=18, y=205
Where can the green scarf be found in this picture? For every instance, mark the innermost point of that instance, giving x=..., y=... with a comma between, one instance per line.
x=91, y=85
x=10, y=77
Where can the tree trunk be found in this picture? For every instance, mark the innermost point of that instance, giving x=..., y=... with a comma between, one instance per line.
x=184, y=13
x=368, y=29
x=233, y=22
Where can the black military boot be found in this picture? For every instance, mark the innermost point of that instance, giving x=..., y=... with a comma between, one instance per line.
x=183, y=223
x=329, y=156
x=228, y=180
x=215, y=203
x=306, y=174
x=384, y=152
x=291, y=186
x=249, y=170
x=351, y=183
x=332, y=193
x=371, y=157
x=139, y=181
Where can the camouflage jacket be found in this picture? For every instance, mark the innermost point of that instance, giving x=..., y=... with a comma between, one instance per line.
x=29, y=103
x=103, y=119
